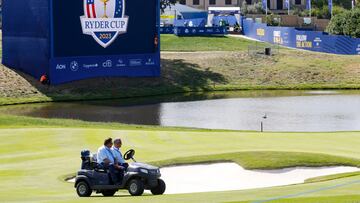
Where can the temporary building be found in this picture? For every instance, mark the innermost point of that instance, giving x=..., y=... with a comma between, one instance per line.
x=184, y=12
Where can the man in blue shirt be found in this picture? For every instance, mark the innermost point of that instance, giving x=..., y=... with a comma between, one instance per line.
x=106, y=158
x=117, y=153
x=119, y=160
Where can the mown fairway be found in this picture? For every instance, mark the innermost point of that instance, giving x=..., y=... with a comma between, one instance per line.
x=35, y=160
x=174, y=43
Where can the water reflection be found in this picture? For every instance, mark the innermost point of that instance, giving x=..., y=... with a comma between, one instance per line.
x=286, y=110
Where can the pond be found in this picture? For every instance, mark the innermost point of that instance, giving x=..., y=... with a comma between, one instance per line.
x=301, y=111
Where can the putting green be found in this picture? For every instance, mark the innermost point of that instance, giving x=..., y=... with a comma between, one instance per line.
x=34, y=160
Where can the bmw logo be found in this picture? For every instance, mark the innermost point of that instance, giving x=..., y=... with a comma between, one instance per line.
x=74, y=66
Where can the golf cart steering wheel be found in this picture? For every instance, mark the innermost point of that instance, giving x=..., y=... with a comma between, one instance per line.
x=129, y=154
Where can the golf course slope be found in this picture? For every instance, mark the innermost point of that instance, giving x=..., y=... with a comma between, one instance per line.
x=37, y=157
x=199, y=64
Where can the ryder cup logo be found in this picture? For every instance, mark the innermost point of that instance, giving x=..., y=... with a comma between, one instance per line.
x=104, y=20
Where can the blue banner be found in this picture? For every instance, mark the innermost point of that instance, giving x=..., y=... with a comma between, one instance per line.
x=287, y=4
x=199, y=31
x=300, y=39
x=308, y=4
x=196, y=22
x=330, y=6
x=71, y=40
x=167, y=30
x=76, y=68
x=264, y=4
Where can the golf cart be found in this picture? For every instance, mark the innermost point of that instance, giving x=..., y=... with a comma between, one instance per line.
x=137, y=178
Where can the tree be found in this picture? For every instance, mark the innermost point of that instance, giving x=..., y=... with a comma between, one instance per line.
x=273, y=20
x=352, y=26
x=324, y=3
x=166, y=3
x=337, y=24
x=346, y=23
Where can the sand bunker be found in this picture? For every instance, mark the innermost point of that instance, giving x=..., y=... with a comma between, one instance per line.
x=231, y=176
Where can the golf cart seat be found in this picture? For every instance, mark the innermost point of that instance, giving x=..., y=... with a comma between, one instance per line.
x=90, y=163
x=98, y=167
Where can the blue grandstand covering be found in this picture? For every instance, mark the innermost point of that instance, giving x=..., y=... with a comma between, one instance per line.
x=71, y=40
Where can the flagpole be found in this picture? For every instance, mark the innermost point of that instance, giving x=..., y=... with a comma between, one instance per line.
x=266, y=19
x=330, y=2
x=266, y=8
x=289, y=7
x=265, y=4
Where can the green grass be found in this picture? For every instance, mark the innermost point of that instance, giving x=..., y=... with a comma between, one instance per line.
x=36, y=154
x=332, y=177
x=35, y=158
x=332, y=199
x=230, y=68
x=8, y=121
x=174, y=43
x=268, y=160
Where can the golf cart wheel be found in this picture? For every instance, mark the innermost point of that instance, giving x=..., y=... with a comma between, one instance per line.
x=159, y=189
x=136, y=187
x=108, y=193
x=83, y=189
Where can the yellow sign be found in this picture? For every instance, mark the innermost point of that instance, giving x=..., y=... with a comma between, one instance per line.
x=167, y=16
x=260, y=32
x=302, y=42
x=278, y=40
x=305, y=44
x=277, y=37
